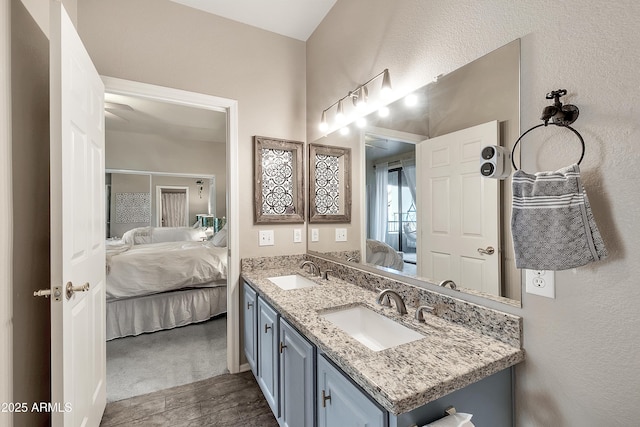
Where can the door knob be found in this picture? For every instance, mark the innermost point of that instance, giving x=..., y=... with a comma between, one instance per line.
x=489, y=251
x=71, y=289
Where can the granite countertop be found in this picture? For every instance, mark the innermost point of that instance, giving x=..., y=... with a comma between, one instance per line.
x=400, y=378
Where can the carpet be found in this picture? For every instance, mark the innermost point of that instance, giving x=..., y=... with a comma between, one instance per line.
x=164, y=359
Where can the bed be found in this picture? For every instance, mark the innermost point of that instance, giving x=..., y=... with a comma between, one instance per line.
x=161, y=278
x=380, y=253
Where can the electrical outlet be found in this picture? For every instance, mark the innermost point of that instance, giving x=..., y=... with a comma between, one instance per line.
x=315, y=235
x=297, y=235
x=341, y=234
x=541, y=282
x=265, y=238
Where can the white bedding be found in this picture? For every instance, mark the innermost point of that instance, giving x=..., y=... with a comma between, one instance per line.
x=160, y=267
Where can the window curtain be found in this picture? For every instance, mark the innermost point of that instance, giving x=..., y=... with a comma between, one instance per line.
x=409, y=172
x=381, y=202
x=173, y=209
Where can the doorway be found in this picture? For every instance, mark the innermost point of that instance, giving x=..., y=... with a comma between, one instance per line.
x=171, y=207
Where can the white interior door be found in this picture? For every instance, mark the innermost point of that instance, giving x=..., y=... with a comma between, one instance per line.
x=458, y=210
x=78, y=350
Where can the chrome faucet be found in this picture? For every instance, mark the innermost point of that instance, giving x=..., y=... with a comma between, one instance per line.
x=325, y=275
x=313, y=267
x=421, y=309
x=383, y=298
x=451, y=284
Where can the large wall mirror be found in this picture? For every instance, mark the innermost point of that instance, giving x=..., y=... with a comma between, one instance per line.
x=154, y=199
x=426, y=213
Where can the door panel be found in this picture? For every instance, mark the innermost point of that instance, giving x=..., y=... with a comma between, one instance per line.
x=296, y=378
x=78, y=349
x=267, y=354
x=459, y=210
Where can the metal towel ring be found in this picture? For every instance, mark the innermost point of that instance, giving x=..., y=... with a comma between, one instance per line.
x=544, y=124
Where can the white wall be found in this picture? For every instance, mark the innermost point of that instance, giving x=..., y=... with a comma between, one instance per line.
x=167, y=44
x=154, y=153
x=6, y=215
x=582, y=367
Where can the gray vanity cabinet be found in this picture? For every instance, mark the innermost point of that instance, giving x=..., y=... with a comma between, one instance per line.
x=341, y=403
x=268, y=354
x=303, y=395
x=250, y=326
x=296, y=378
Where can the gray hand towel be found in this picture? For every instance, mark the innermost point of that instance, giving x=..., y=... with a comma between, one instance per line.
x=551, y=221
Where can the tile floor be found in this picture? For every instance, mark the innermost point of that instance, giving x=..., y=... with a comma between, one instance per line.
x=225, y=400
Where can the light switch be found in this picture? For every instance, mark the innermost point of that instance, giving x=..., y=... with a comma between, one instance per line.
x=297, y=235
x=341, y=234
x=265, y=238
x=315, y=235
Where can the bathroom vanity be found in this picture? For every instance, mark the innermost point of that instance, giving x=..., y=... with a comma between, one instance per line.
x=321, y=351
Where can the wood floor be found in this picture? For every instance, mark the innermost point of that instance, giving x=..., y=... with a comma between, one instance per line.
x=225, y=400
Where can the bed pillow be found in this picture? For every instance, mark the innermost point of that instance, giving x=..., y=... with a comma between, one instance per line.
x=138, y=236
x=144, y=235
x=220, y=238
x=177, y=234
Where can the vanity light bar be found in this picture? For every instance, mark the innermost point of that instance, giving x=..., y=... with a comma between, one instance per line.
x=360, y=98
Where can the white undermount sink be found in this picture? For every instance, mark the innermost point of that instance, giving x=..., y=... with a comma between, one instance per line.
x=371, y=328
x=292, y=281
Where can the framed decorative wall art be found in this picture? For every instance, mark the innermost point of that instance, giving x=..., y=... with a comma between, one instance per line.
x=329, y=183
x=279, y=180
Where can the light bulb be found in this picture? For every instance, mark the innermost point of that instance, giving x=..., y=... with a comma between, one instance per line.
x=385, y=92
x=363, y=96
x=411, y=100
x=344, y=130
x=323, y=122
x=340, y=117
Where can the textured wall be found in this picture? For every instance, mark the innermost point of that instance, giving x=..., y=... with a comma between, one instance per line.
x=582, y=367
x=167, y=44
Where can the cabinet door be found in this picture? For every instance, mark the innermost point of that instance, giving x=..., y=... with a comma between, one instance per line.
x=341, y=403
x=296, y=378
x=250, y=326
x=268, y=354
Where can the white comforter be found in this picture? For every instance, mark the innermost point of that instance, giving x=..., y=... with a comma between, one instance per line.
x=159, y=267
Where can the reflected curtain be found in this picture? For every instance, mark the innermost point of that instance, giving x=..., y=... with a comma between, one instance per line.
x=380, y=205
x=173, y=209
x=409, y=172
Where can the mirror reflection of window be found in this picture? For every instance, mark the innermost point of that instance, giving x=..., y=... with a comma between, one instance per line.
x=392, y=203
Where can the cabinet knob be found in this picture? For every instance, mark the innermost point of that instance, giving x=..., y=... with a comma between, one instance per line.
x=325, y=397
x=249, y=305
x=266, y=328
x=282, y=346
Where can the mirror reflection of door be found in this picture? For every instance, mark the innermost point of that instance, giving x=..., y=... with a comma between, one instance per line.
x=172, y=206
x=458, y=210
